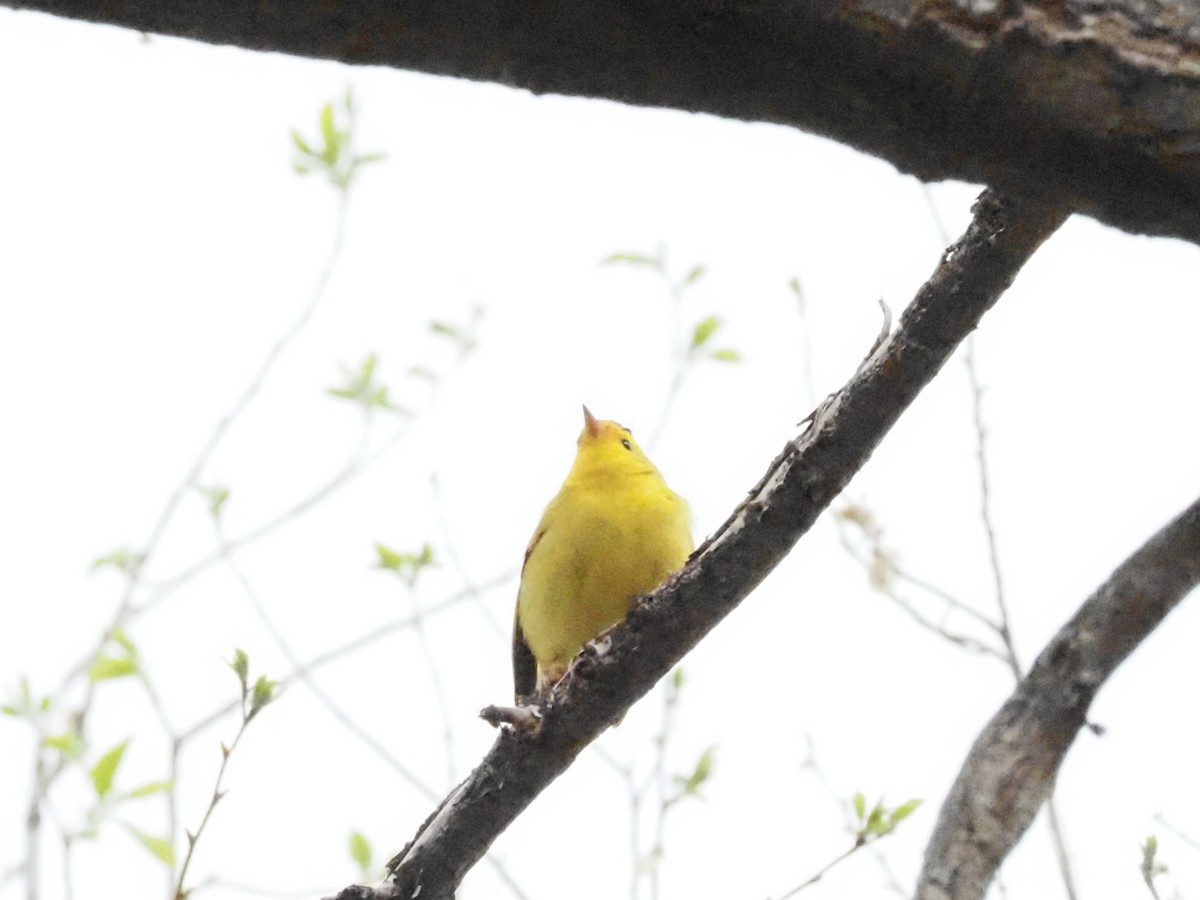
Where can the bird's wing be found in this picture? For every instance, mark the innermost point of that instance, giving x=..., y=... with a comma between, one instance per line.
x=524, y=665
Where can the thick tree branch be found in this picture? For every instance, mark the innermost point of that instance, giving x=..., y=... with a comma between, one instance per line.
x=614, y=671
x=1011, y=768
x=1096, y=103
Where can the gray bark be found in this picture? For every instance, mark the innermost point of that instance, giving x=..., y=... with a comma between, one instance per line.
x=1010, y=770
x=1096, y=104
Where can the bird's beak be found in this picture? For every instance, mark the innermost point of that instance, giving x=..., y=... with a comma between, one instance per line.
x=590, y=423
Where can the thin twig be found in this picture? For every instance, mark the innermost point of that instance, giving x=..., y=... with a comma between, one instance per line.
x=806, y=345
x=456, y=560
x=194, y=837
x=1179, y=833
x=439, y=690
x=679, y=361
x=350, y=647
x=1061, y=854
x=813, y=879
x=33, y=818
x=985, y=511
x=68, y=876
x=305, y=675
x=967, y=642
x=661, y=781
x=946, y=597
x=505, y=876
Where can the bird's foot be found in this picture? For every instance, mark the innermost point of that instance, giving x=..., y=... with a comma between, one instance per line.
x=525, y=719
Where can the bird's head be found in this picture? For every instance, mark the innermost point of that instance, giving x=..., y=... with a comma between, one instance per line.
x=607, y=448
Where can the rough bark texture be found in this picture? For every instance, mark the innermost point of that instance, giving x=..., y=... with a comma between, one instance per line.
x=615, y=671
x=1011, y=769
x=1096, y=103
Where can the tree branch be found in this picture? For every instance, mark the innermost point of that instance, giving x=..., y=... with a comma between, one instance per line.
x=622, y=665
x=1011, y=768
x=1094, y=103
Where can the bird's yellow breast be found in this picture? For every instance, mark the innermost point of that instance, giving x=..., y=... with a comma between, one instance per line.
x=601, y=543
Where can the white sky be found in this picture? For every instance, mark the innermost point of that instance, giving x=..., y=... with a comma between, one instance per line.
x=154, y=242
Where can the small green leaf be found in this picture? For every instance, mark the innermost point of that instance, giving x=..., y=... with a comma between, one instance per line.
x=333, y=156
x=443, y=328
x=108, y=667
x=122, y=640
x=264, y=693
x=704, y=330
x=216, y=497
x=860, y=808
x=360, y=851
x=240, y=665
x=23, y=705
x=363, y=389
x=677, y=678
x=106, y=769
x=690, y=786
x=367, y=371
x=380, y=399
x=151, y=787
x=726, y=354
x=407, y=565
x=876, y=822
x=903, y=811
x=693, y=276
x=70, y=744
x=650, y=861
x=635, y=259
x=368, y=158
x=388, y=558
x=327, y=130
x=301, y=144
x=124, y=559
x=160, y=847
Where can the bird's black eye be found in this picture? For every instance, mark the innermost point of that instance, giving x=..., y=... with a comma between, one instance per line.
x=625, y=443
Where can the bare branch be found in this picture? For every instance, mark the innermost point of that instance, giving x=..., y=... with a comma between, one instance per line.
x=1011, y=768
x=1094, y=103
x=626, y=662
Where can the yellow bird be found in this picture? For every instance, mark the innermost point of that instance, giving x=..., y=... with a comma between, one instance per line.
x=614, y=531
